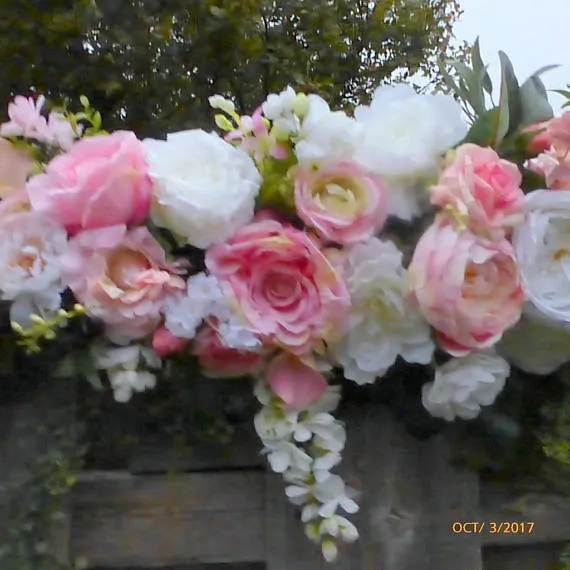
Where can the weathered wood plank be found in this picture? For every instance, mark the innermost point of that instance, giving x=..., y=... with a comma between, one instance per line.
x=536, y=557
x=549, y=513
x=121, y=520
x=410, y=497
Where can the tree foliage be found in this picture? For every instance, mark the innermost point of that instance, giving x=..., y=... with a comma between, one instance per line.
x=156, y=62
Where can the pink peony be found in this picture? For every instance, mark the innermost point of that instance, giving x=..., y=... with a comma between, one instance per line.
x=343, y=202
x=101, y=181
x=165, y=344
x=296, y=383
x=219, y=361
x=478, y=186
x=284, y=285
x=15, y=165
x=467, y=288
x=121, y=277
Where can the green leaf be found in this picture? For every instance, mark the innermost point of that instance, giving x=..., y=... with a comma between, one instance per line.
x=535, y=107
x=509, y=101
x=480, y=68
x=483, y=130
x=224, y=123
x=84, y=101
x=475, y=94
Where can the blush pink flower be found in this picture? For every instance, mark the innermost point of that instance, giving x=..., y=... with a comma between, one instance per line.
x=295, y=382
x=342, y=201
x=121, y=277
x=15, y=165
x=26, y=119
x=284, y=285
x=101, y=181
x=467, y=288
x=165, y=344
x=254, y=137
x=218, y=361
x=483, y=189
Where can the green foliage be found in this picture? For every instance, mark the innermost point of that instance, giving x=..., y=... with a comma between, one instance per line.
x=566, y=94
x=151, y=64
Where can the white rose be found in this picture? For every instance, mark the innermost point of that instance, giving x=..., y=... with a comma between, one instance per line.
x=30, y=248
x=462, y=385
x=535, y=347
x=404, y=136
x=326, y=134
x=542, y=248
x=205, y=189
x=383, y=325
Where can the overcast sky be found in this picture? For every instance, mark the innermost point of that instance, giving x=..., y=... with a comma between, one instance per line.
x=533, y=33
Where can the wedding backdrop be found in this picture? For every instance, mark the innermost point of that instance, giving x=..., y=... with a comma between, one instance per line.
x=361, y=290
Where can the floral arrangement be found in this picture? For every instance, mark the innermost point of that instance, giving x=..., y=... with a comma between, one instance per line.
x=300, y=244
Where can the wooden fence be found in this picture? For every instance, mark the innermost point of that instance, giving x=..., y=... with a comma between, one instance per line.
x=226, y=511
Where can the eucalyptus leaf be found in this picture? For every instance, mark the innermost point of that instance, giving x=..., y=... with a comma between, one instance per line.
x=535, y=107
x=473, y=88
x=483, y=130
x=509, y=100
x=480, y=68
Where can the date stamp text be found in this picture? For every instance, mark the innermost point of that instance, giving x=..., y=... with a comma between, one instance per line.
x=492, y=527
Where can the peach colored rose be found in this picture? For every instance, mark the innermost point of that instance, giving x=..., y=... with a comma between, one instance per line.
x=541, y=139
x=219, y=361
x=343, y=202
x=121, y=277
x=285, y=286
x=15, y=165
x=101, y=181
x=467, y=288
x=165, y=344
x=483, y=189
x=295, y=382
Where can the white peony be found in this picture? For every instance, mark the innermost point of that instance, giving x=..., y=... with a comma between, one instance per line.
x=30, y=248
x=326, y=134
x=383, y=324
x=542, y=248
x=404, y=135
x=205, y=188
x=127, y=369
x=462, y=385
x=535, y=347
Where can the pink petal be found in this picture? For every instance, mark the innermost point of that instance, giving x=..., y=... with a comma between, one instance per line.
x=297, y=384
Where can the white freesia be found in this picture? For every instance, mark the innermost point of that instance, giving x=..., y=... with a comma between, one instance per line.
x=535, y=347
x=462, y=385
x=383, y=325
x=127, y=368
x=542, y=248
x=326, y=134
x=205, y=188
x=30, y=248
x=404, y=135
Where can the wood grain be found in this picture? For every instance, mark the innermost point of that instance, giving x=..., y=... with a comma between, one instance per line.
x=121, y=520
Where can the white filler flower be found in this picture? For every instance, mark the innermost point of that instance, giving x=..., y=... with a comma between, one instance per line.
x=205, y=188
x=403, y=138
x=542, y=248
x=462, y=385
x=383, y=324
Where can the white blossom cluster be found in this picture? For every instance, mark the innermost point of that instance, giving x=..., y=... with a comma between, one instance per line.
x=304, y=445
x=128, y=369
x=203, y=299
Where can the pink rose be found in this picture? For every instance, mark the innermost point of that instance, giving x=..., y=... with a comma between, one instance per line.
x=165, y=344
x=295, y=382
x=477, y=185
x=121, y=277
x=15, y=165
x=467, y=288
x=343, y=202
x=219, y=361
x=284, y=285
x=540, y=140
x=101, y=181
